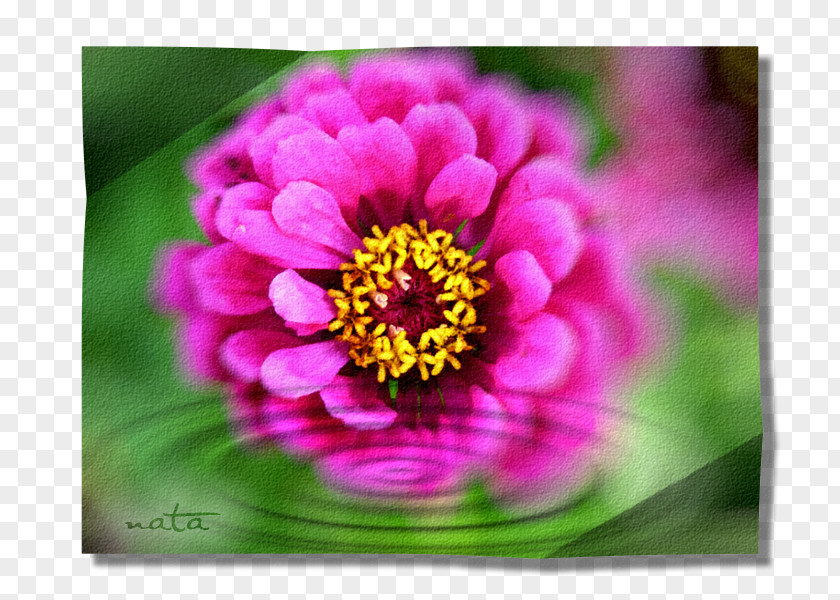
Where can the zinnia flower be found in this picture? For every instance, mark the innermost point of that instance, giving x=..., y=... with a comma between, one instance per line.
x=406, y=283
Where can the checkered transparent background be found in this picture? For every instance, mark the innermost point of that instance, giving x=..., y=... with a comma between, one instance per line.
x=42, y=217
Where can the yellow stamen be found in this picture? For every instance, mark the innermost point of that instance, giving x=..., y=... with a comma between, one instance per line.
x=375, y=269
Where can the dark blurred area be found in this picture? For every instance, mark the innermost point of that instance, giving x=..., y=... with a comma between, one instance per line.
x=732, y=74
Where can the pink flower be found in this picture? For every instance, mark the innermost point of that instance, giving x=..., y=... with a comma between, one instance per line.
x=681, y=190
x=405, y=284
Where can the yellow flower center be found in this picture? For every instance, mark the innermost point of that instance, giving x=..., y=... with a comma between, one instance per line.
x=407, y=302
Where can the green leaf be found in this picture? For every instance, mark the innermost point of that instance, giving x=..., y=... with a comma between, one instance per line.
x=474, y=250
x=458, y=231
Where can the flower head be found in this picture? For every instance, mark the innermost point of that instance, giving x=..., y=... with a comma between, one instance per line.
x=406, y=282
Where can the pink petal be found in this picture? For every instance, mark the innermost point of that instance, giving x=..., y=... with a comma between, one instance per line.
x=600, y=361
x=557, y=130
x=235, y=200
x=488, y=424
x=358, y=402
x=547, y=177
x=201, y=335
x=204, y=207
x=263, y=148
x=317, y=158
x=540, y=357
x=332, y=110
x=258, y=233
x=296, y=372
x=451, y=73
x=301, y=426
x=389, y=469
x=547, y=229
x=389, y=86
x=230, y=281
x=440, y=133
x=310, y=215
x=199, y=338
x=602, y=282
x=314, y=78
x=548, y=461
x=244, y=352
x=257, y=118
x=527, y=283
x=387, y=165
x=502, y=426
x=545, y=472
x=172, y=288
x=305, y=307
x=504, y=133
x=224, y=163
x=461, y=190
x=244, y=408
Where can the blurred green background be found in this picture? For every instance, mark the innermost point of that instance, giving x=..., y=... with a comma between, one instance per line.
x=137, y=100
x=688, y=482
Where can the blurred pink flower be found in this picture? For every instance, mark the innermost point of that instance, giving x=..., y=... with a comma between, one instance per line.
x=681, y=189
x=339, y=304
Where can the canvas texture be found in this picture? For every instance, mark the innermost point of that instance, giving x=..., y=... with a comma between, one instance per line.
x=493, y=302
